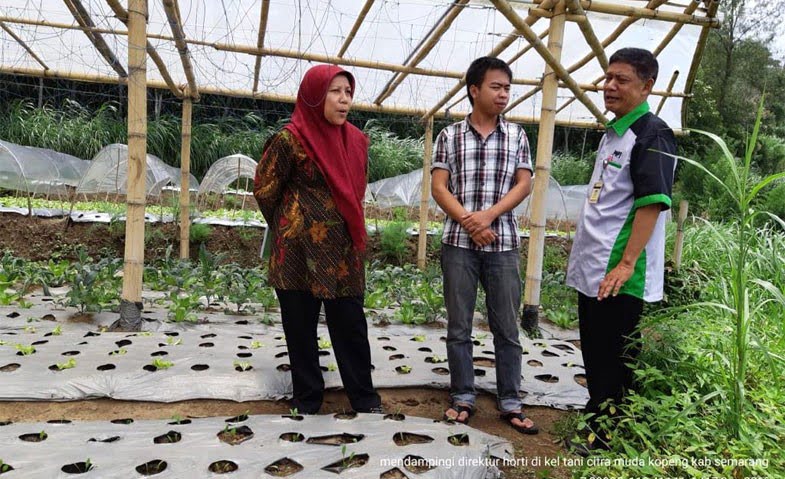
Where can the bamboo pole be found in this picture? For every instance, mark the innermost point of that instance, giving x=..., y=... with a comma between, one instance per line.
x=425, y=195
x=175, y=24
x=644, y=13
x=185, y=178
x=357, y=24
x=424, y=48
x=673, y=31
x=704, y=36
x=122, y=15
x=670, y=87
x=23, y=44
x=260, y=42
x=83, y=19
x=512, y=16
x=679, y=243
x=588, y=33
x=531, y=301
x=133, y=266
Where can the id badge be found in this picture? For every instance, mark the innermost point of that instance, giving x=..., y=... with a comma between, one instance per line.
x=595, y=192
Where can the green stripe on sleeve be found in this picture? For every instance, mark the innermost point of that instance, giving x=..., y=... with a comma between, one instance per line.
x=636, y=284
x=650, y=200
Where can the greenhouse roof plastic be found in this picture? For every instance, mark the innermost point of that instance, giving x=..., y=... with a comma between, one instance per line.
x=226, y=171
x=37, y=170
x=408, y=56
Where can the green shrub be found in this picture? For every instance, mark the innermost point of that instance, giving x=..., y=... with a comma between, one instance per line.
x=775, y=201
x=389, y=155
x=570, y=169
x=199, y=233
x=394, y=241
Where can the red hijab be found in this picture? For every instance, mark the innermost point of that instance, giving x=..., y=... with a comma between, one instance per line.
x=340, y=152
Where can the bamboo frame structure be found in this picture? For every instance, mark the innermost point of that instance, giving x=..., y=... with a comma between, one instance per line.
x=424, y=49
x=673, y=31
x=185, y=172
x=670, y=87
x=641, y=13
x=357, y=24
x=588, y=34
x=425, y=195
x=512, y=16
x=265, y=11
x=531, y=300
x=714, y=5
x=23, y=45
x=82, y=17
x=678, y=245
x=176, y=25
x=122, y=15
x=133, y=266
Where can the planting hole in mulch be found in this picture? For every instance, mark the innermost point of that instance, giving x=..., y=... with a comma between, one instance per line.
x=242, y=347
x=390, y=348
x=345, y=415
x=223, y=467
x=353, y=461
x=282, y=355
x=235, y=435
x=70, y=353
x=20, y=353
x=13, y=315
x=393, y=474
x=171, y=333
x=243, y=367
x=5, y=423
x=417, y=464
x=127, y=420
x=236, y=419
x=336, y=439
x=425, y=350
x=322, y=352
x=564, y=347
x=208, y=335
x=294, y=417
x=479, y=372
x=159, y=353
x=179, y=421
x=151, y=468
x=484, y=362
x=396, y=356
x=38, y=343
x=383, y=338
x=284, y=367
x=580, y=379
x=59, y=421
x=548, y=378
x=292, y=437
x=150, y=368
x=461, y=439
x=91, y=334
x=34, y=437
x=106, y=367
x=395, y=417
x=244, y=355
x=10, y=367
x=435, y=360
x=244, y=337
x=77, y=468
x=441, y=371
x=106, y=440
x=241, y=322
x=200, y=367
x=206, y=345
x=403, y=369
x=170, y=437
x=123, y=343
x=283, y=467
x=406, y=438
x=534, y=363
x=549, y=354
x=6, y=468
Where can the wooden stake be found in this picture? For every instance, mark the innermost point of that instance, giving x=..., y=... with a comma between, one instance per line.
x=133, y=267
x=425, y=195
x=185, y=175
x=531, y=302
x=679, y=244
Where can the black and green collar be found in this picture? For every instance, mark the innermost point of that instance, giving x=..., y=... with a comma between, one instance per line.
x=621, y=125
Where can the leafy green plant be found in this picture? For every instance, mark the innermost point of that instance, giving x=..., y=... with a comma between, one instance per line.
x=242, y=365
x=159, y=364
x=324, y=343
x=26, y=350
x=71, y=363
x=199, y=233
x=394, y=241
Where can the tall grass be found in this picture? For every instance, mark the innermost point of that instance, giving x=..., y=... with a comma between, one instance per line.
x=389, y=155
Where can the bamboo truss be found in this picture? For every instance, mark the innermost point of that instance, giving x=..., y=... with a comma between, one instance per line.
x=357, y=24
x=588, y=34
x=122, y=15
x=23, y=44
x=176, y=25
x=713, y=5
x=265, y=11
x=642, y=13
x=424, y=48
x=425, y=194
x=670, y=87
x=82, y=17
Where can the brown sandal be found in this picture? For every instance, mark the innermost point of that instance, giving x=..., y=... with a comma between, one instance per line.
x=459, y=408
x=509, y=416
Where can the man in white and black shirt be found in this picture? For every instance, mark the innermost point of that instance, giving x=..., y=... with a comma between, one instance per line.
x=481, y=171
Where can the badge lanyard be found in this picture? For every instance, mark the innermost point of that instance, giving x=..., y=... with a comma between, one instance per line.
x=594, y=196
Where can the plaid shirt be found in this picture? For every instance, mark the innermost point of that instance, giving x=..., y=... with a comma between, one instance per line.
x=481, y=173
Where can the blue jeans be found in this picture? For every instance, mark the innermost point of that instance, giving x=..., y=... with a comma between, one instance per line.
x=499, y=275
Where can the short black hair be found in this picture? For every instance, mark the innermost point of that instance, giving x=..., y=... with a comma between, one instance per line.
x=644, y=63
x=475, y=75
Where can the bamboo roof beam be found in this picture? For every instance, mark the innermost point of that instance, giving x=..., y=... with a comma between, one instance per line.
x=424, y=48
x=23, y=45
x=82, y=17
x=673, y=31
x=588, y=34
x=176, y=25
x=713, y=5
x=508, y=40
x=260, y=41
x=207, y=90
x=122, y=15
x=357, y=24
x=505, y=9
x=670, y=87
x=640, y=13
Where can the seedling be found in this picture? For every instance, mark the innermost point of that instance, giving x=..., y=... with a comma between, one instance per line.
x=57, y=331
x=119, y=352
x=332, y=367
x=242, y=365
x=25, y=350
x=324, y=343
x=419, y=338
x=30, y=329
x=145, y=333
x=162, y=363
x=71, y=363
x=256, y=344
x=405, y=369
x=172, y=341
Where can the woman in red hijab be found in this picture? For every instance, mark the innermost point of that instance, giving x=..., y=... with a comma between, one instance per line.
x=310, y=186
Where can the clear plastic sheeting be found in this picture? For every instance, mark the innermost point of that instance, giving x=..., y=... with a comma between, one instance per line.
x=226, y=171
x=562, y=202
x=323, y=446
x=37, y=170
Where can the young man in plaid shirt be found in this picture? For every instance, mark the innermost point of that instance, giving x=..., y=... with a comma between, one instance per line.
x=481, y=171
